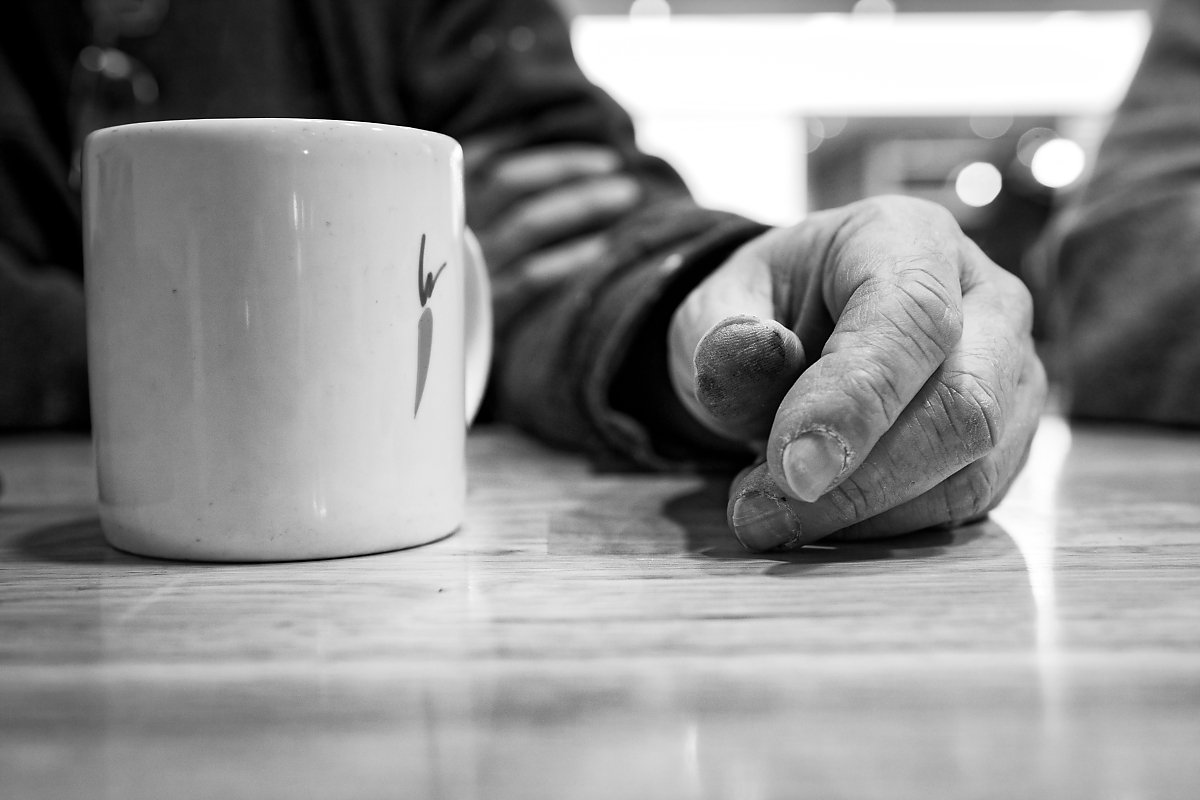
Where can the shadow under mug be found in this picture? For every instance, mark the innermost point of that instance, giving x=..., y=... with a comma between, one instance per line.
x=288, y=323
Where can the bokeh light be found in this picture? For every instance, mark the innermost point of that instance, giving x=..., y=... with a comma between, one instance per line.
x=814, y=134
x=1058, y=163
x=1031, y=140
x=978, y=183
x=834, y=126
x=990, y=127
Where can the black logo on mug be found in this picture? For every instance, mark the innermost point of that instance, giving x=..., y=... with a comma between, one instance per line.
x=425, y=285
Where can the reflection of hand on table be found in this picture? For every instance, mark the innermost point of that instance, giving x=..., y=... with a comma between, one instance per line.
x=921, y=404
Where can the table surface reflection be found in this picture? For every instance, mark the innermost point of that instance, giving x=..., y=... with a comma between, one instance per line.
x=594, y=634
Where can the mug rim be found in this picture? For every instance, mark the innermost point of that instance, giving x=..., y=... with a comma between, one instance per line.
x=243, y=124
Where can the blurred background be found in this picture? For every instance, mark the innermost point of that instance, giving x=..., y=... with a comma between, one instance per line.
x=774, y=108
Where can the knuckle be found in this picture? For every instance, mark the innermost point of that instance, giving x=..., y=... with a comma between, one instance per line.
x=887, y=206
x=974, y=413
x=1035, y=376
x=850, y=502
x=872, y=388
x=873, y=208
x=931, y=308
x=972, y=492
x=1020, y=300
x=1007, y=294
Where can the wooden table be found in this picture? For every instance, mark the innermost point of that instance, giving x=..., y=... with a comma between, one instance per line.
x=594, y=635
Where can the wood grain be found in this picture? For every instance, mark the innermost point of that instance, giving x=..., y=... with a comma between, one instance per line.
x=598, y=634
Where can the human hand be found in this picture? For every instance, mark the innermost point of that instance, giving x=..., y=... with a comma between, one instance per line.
x=922, y=403
x=539, y=213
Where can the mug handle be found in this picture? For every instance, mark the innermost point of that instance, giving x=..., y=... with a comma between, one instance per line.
x=477, y=317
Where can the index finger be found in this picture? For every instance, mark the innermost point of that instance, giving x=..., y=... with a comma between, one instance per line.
x=891, y=280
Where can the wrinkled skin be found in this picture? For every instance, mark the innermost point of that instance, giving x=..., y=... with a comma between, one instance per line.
x=920, y=392
x=876, y=340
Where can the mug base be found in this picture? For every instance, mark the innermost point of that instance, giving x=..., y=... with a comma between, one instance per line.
x=148, y=544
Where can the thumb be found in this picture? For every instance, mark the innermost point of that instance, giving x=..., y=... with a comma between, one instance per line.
x=731, y=361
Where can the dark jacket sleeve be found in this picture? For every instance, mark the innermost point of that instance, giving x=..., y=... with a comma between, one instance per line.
x=43, y=377
x=582, y=365
x=1124, y=280
x=579, y=364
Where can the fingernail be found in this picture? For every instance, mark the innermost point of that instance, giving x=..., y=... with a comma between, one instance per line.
x=761, y=522
x=811, y=463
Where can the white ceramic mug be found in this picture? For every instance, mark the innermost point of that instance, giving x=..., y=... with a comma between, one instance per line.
x=287, y=325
